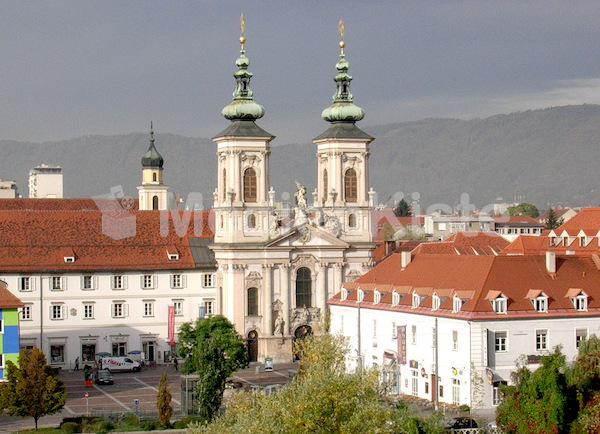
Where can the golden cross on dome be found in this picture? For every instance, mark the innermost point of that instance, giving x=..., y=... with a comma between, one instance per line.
x=242, y=28
x=342, y=31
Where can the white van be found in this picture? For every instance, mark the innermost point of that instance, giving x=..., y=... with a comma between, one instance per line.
x=113, y=364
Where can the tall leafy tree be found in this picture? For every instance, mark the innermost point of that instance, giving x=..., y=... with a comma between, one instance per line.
x=402, y=209
x=553, y=221
x=527, y=209
x=32, y=389
x=212, y=349
x=163, y=401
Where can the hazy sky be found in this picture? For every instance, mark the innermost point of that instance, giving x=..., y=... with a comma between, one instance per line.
x=74, y=68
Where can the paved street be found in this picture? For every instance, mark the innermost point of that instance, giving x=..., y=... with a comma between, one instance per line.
x=129, y=387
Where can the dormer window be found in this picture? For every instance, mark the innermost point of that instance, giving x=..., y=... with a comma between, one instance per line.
x=435, y=302
x=499, y=304
x=344, y=294
x=395, y=298
x=566, y=241
x=376, y=297
x=416, y=300
x=360, y=295
x=69, y=259
x=582, y=241
x=578, y=298
x=540, y=303
x=457, y=303
x=173, y=254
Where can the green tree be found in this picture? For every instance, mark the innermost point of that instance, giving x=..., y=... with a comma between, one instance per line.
x=527, y=209
x=584, y=375
x=32, y=389
x=402, y=209
x=163, y=401
x=322, y=398
x=553, y=222
x=538, y=402
x=212, y=349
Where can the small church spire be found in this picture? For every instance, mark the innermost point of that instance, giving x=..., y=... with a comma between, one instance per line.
x=343, y=108
x=243, y=106
x=152, y=158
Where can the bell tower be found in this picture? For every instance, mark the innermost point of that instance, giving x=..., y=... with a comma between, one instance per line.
x=241, y=199
x=343, y=190
x=152, y=193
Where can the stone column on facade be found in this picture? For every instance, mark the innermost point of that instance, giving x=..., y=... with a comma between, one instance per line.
x=321, y=270
x=285, y=295
x=340, y=177
x=339, y=277
x=268, y=306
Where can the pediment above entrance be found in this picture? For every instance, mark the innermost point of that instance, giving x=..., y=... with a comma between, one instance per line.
x=308, y=236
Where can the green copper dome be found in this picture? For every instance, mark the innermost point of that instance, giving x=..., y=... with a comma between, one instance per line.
x=243, y=106
x=343, y=109
x=152, y=158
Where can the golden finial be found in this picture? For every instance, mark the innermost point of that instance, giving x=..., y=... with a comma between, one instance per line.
x=242, y=28
x=342, y=31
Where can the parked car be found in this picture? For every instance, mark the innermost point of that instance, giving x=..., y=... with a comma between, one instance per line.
x=113, y=364
x=104, y=377
x=461, y=422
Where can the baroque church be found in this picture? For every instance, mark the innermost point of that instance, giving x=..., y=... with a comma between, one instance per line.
x=276, y=268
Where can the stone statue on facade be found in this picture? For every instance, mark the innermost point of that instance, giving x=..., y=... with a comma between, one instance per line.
x=279, y=322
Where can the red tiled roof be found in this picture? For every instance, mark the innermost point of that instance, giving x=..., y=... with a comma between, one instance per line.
x=83, y=204
x=37, y=240
x=465, y=243
x=514, y=219
x=587, y=219
x=558, y=212
x=8, y=299
x=513, y=276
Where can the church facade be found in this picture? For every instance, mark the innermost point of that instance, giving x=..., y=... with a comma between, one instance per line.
x=277, y=268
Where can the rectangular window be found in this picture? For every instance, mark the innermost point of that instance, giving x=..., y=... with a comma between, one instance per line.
x=394, y=331
x=119, y=349
x=441, y=387
x=88, y=311
x=374, y=328
x=580, y=336
x=177, y=281
x=541, y=340
x=455, y=340
x=209, y=306
x=415, y=383
x=178, y=304
x=501, y=341
x=541, y=304
x=26, y=313
x=25, y=284
x=58, y=311
x=147, y=281
x=581, y=302
x=56, y=283
x=87, y=283
x=497, y=395
x=119, y=310
x=455, y=391
x=148, y=308
x=57, y=353
x=119, y=282
x=208, y=280
x=414, y=334
x=499, y=305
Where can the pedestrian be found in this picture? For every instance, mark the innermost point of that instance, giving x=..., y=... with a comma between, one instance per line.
x=77, y=364
x=176, y=363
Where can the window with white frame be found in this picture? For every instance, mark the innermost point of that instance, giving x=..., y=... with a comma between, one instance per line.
x=455, y=340
x=457, y=303
x=119, y=282
x=118, y=309
x=148, y=307
x=497, y=395
x=394, y=331
x=25, y=284
x=148, y=281
x=88, y=310
x=209, y=306
x=57, y=353
x=416, y=299
x=501, y=341
x=88, y=283
x=415, y=382
x=376, y=297
x=178, y=281
x=435, y=302
x=58, y=311
x=413, y=330
x=499, y=304
x=178, y=305
x=580, y=301
x=580, y=336
x=26, y=313
x=58, y=283
x=208, y=280
x=541, y=340
x=540, y=303
x=455, y=391
x=395, y=298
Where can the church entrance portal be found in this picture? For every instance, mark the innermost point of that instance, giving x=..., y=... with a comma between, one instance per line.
x=253, y=346
x=301, y=333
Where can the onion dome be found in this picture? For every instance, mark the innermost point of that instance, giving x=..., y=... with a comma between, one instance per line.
x=243, y=106
x=152, y=158
x=342, y=109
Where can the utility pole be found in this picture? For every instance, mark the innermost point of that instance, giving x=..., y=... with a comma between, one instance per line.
x=359, y=347
x=436, y=388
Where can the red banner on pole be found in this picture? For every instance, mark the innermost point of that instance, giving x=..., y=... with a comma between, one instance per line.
x=171, y=325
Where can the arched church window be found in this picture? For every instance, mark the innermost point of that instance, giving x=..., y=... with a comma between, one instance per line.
x=251, y=221
x=224, y=186
x=154, y=177
x=350, y=186
x=352, y=220
x=325, y=184
x=155, y=202
x=250, y=185
x=303, y=288
x=252, y=301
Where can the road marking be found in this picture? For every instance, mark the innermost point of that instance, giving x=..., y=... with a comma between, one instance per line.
x=66, y=407
x=155, y=389
x=112, y=397
x=283, y=375
x=246, y=381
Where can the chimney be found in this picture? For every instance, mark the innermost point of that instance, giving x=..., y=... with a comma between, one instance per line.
x=551, y=262
x=405, y=258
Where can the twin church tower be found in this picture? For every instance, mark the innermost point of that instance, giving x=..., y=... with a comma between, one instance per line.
x=277, y=268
